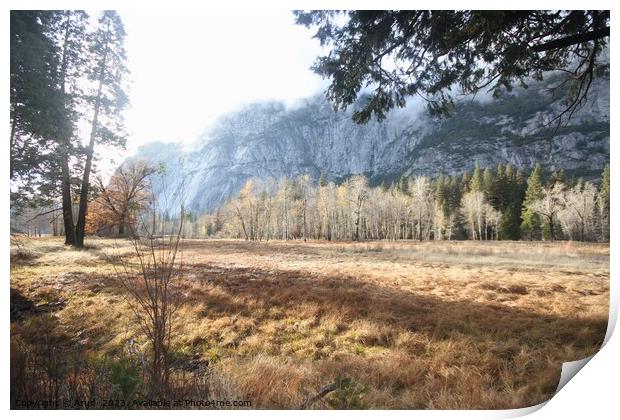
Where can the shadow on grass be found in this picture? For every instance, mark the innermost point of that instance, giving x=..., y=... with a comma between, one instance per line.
x=351, y=299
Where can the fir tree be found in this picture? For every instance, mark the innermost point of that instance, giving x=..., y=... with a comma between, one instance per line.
x=487, y=183
x=500, y=190
x=72, y=32
x=475, y=184
x=511, y=201
x=441, y=194
x=603, y=202
x=558, y=176
x=403, y=185
x=465, y=180
x=322, y=179
x=109, y=71
x=454, y=194
x=36, y=111
x=531, y=223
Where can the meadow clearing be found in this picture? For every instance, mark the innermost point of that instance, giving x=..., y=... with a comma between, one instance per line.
x=409, y=325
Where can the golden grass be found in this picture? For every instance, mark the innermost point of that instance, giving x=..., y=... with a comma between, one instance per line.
x=416, y=325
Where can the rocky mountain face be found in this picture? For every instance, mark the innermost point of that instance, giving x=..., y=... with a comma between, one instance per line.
x=270, y=140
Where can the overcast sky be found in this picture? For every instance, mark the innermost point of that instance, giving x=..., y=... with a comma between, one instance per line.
x=187, y=68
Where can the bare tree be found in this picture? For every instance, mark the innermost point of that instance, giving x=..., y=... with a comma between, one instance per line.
x=492, y=220
x=305, y=192
x=579, y=211
x=151, y=276
x=126, y=194
x=326, y=202
x=153, y=286
x=359, y=195
x=422, y=205
x=472, y=208
x=552, y=202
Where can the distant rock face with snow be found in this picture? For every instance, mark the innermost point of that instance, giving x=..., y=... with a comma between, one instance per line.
x=270, y=140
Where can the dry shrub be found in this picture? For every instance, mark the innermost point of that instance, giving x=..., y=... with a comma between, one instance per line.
x=155, y=298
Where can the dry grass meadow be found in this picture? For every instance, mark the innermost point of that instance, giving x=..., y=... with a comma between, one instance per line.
x=434, y=325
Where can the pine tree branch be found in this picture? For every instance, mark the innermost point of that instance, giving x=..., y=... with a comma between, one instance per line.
x=572, y=40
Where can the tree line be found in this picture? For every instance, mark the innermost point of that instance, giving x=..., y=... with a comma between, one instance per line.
x=65, y=70
x=503, y=203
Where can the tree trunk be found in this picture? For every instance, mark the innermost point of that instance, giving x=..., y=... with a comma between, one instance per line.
x=54, y=225
x=486, y=230
x=420, y=225
x=83, y=208
x=285, y=217
x=154, y=228
x=12, y=140
x=551, y=233
x=245, y=232
x=67, y=202
x=304, y=217
x=81, y=223
x=67, y=205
